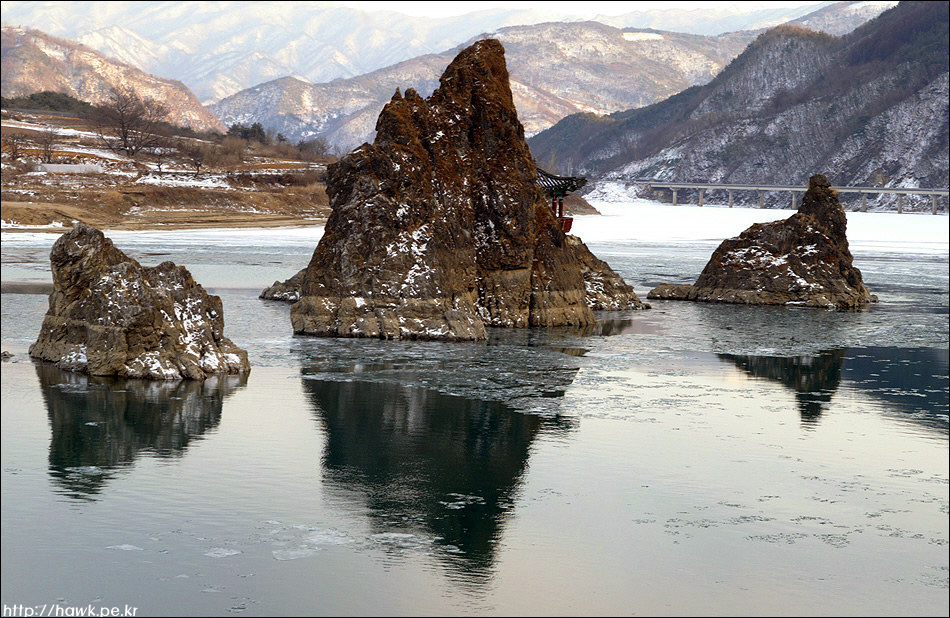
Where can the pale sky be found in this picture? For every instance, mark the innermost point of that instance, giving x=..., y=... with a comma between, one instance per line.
x=444, y=9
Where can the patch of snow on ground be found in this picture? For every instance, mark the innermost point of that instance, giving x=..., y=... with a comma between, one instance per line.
x=208, y=182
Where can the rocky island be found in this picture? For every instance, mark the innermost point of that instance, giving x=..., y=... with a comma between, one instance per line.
x=109, y=315
x=803, y=260
x=438, y=228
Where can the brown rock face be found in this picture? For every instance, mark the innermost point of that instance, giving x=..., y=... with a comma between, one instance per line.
x=108, y=315
x=803, y=260
x=438, y=228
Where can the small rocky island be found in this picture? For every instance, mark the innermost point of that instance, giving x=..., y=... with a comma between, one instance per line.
x=108, y=315
x=438, y=227
x=803, y=260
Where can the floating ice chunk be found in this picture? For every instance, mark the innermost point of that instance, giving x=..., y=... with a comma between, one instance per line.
x=402, y=540
x=87, y=470
x=126, y=547
x=329, y=537
x=295, y=553
x=222, y=552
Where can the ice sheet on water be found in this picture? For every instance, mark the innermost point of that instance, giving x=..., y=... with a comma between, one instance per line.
x=641, y=221
x=295, y=553
x=243, y=238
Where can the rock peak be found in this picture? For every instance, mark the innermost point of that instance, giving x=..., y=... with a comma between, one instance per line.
x=438, y=227
x=821, y=203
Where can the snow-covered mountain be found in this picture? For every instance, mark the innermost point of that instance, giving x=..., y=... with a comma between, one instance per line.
x=842, y=17
x=556, y=69
x=220, y=48
x=830, y=17
x=871, y=108
x=34, y=61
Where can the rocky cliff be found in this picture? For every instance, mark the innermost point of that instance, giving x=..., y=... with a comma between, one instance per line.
x=803, y=260
x=438, y=228
x=108, y=315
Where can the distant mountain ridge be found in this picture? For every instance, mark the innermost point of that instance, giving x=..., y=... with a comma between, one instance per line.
x=867, y=108
x=556, y=69
x=220, y=48
x=33, y=61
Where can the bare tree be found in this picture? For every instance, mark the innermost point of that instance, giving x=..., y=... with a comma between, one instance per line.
x=47, y=140
x=195, y=152
x=128, y=123
x=14, y=142
x=162, y=150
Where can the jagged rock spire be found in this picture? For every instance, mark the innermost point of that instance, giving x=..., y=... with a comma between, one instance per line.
x=438, y=227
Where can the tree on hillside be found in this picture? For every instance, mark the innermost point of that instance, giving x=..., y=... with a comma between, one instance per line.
x=127, y=123
x=253, y=133
x=314, y=148
x=162, y=151
x=195, y=152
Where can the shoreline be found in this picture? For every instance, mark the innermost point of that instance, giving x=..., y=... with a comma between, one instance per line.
x=211, y=223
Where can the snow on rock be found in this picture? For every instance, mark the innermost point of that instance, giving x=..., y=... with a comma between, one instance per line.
x=108, y=315
x=803, y=261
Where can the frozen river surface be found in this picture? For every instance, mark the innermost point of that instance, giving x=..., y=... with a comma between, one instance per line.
x=690, y=459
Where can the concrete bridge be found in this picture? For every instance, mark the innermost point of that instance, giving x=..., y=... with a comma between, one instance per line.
x=794, y=191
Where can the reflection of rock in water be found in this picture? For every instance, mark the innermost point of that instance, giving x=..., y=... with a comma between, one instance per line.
x=813, y=378
x=100, y=423
x=421, y=458
x=911, y=381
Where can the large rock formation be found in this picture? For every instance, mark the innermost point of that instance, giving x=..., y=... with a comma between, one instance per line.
x=108, y=315
x=803, y=260
x=438, y=228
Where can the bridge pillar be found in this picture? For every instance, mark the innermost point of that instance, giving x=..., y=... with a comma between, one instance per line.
x=933, y=204
x=701, y=198
x=792, y=193
x=674, y=197
x=900, y=203
x=730, y=198
x=864, y=202
x=761, y=200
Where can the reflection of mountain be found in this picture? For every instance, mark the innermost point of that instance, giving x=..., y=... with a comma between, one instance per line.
x=101, y=424
x=417, y=457
x=813, y=378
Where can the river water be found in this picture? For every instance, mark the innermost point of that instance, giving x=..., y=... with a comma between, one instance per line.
x=689, y=459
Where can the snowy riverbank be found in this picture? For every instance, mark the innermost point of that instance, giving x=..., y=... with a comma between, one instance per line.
x=638, y=221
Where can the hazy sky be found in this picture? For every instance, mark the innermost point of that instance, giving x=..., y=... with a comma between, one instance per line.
x=442, y=9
